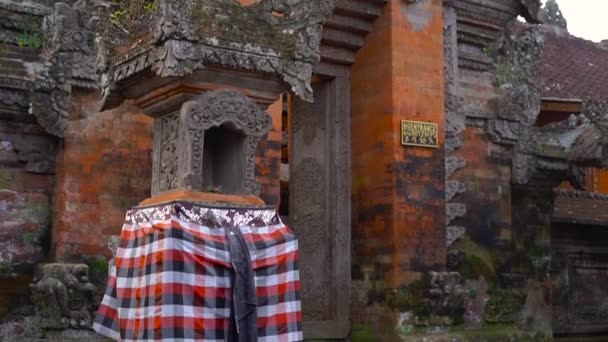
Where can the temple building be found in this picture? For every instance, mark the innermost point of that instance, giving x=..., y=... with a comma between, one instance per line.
x=441, y=162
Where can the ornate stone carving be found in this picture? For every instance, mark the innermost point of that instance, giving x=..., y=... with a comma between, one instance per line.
x=455, y=210
x=165, y=158
x=473, y=39
x=14, y=97
x=454, y=188
x=524, y=167
x=443, y=300
x=63, y=296
x=69, y=54
x=455, y=118
x=307, y=123
x=180, y=138
x=191, y=35
x=517, y=60
x=516, y=66
x=597, y=112
x=311, y=218
x=453, y=164
x=66, y=37
x=50, y=98
x=504, y=132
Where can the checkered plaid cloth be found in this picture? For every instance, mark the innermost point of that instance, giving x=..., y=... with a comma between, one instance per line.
x=173, y=276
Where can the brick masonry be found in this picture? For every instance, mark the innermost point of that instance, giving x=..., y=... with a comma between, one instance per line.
x=27, y=180
x=398, y=192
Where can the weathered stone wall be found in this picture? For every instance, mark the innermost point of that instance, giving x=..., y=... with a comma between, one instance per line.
x=104, y=169
x=487, y=237
x=27, y=167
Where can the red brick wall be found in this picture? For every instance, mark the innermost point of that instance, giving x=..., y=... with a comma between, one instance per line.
x=104, y=169
x=398, y=192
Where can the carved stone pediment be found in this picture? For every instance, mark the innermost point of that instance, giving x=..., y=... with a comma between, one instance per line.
x=186, y=156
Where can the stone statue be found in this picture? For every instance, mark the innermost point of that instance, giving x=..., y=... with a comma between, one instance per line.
x=63, y=297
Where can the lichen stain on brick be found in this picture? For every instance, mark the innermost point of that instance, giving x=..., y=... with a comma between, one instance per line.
x=418, y=14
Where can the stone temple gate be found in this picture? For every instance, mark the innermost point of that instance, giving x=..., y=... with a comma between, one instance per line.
x=298, y=104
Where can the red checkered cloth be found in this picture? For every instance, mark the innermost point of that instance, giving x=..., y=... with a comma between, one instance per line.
x=173, y=278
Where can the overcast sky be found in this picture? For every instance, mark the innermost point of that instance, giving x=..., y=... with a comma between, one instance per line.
x=586, y=18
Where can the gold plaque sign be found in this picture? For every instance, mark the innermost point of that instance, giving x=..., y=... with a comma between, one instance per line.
x=423, y=134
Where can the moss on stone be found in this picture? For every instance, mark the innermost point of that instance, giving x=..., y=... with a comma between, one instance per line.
x=5, y=268
x=362, y=333
x=504, y=305
x=97, y=266
x=490, y=333
x=231, y=22
x=406, y=298
x=477, y=260
x=6, y=179
x=30, y=34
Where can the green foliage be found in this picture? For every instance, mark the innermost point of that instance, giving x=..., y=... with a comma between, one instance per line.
x=477, y=260
x=6, y=179
x=5, y=268
x=407, y=297
x=31, y=35
x=131, y=15
x=31, y=238
x=503, y=305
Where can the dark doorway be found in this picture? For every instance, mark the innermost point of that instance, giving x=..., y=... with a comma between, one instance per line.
x=223, y=160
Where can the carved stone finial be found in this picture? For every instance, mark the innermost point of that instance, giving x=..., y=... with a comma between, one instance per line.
x=597, y=113
x=211, y=142
x=63, y=297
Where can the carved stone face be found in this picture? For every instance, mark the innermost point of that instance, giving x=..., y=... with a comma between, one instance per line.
x=81, y=272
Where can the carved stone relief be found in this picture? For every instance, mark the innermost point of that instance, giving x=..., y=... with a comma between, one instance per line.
x=166, y=136
x=311, y=218
x=180, y=137
x=597, y=112
x=69, y=55
x=320, y=207
x=63, y=296
x=455, y=118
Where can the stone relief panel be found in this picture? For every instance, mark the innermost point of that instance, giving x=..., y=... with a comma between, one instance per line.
x=308, y=213
x=164, y=173
x=320, y=207
x=63, y=297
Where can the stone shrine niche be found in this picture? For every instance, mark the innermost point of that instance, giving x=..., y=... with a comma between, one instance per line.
x=209, y=145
